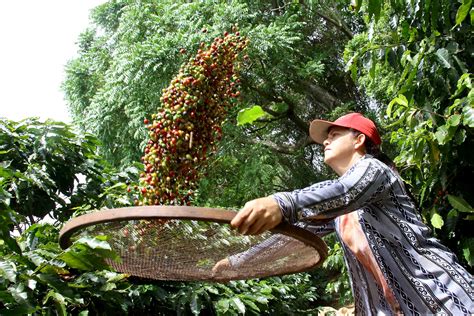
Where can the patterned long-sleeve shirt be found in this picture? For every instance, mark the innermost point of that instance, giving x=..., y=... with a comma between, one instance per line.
x=393, y=262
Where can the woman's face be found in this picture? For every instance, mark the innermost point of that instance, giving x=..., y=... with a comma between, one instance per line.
x=340, y=147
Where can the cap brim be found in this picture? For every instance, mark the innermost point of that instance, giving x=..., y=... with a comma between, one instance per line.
x=318, y=130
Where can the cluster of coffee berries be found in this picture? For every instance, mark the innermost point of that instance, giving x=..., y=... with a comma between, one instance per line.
x=188, y=123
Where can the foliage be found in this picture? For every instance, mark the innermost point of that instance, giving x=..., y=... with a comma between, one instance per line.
x=130, y=55
x=413, y=59
x=43, y=279
x=37, y=277
x=417, y=57
x=336, y=287
x=48, y=169
x=46, y=280
x=295, y=73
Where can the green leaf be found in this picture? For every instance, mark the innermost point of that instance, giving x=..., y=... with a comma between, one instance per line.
x=262, y=299
x=460, y=136
x=250, y=303
x=356, y=4
x=454, y=120
x=8, y=270
x=451, y=220
x=18, y=292
x=59, y=300
x=437, y=221
x=212, y=290
x=400, y=100
x=460, y=204
x=24, y=309
x=238, y=304
x=374, y=8
x=223, y=305
x=94, y=243
x=463, y=11
x=250, y=115
x=373, y=65
x=89, y=253
x=464, y=82
x=443, y=57
x=9, y=240
x=453, y=214
x=444, y=134
x=353, y=69
x=280, y=107
x=468, y=250
x=76, y=260
x=468, y=116
x=195, y=304
x=53, y=281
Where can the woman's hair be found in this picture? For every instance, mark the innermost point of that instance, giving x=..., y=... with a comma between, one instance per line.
x=374, y=150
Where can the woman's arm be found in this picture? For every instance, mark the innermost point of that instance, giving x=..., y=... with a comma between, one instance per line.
x=365, y=182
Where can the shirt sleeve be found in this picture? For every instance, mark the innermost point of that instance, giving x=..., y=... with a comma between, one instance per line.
x=365, y=182
x=320, y=229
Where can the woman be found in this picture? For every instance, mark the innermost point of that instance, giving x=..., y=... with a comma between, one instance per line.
x=394, y=265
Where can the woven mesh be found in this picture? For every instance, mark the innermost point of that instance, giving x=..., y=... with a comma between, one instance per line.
x=169, y=249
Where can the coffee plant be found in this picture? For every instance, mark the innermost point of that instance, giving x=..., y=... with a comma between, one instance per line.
x=188, y=123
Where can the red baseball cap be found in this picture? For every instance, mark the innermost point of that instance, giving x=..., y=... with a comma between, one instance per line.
x=319, y=129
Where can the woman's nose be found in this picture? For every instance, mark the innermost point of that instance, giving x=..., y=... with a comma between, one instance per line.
x=326, y=142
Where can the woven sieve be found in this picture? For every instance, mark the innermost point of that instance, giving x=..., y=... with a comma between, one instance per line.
x=185, y=243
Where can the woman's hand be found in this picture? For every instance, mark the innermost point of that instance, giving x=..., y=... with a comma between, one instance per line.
x=220, y=266
x=257, y=216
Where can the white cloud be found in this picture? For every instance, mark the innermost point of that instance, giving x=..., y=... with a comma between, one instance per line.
x=38, y=38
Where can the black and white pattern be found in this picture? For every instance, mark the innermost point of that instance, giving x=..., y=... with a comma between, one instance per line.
x=424, y=275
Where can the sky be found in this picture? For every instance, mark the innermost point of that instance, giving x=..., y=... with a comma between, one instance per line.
x=37, y=39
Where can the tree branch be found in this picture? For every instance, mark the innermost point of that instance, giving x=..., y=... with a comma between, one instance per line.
x=338, y=23
x=282, y=148
x=271, y=112
x=302, y=125
x=328, y=100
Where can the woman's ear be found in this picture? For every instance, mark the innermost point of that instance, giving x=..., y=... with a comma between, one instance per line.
x=360, y=141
